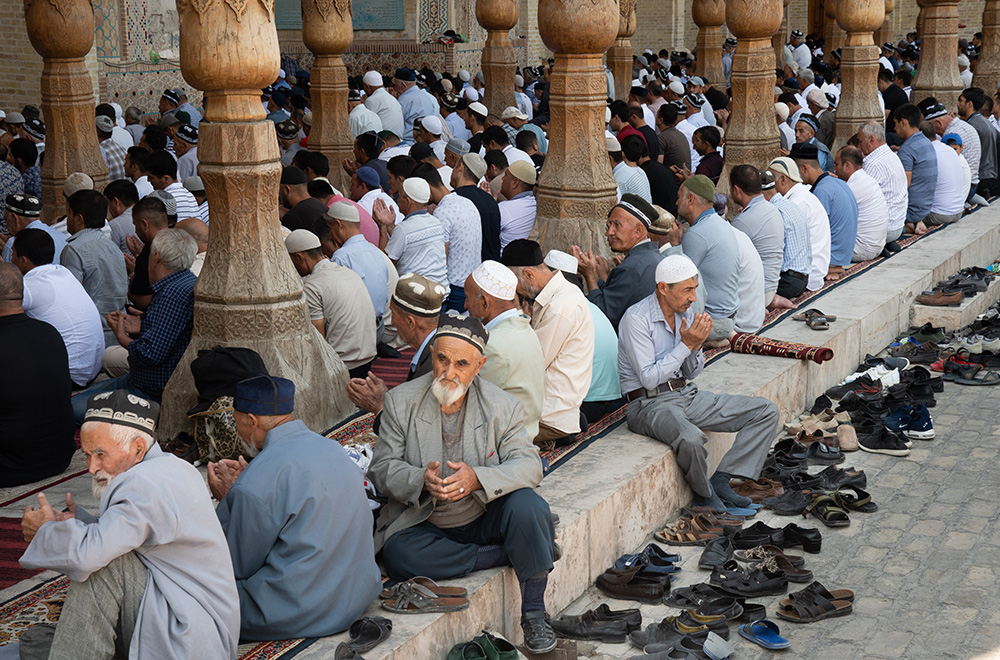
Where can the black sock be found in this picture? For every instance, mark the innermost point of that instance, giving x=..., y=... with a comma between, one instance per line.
x=490, y=556
x=720, y=484
x=533, y=593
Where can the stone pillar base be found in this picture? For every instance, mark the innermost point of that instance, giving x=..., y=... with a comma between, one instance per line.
x=248, y=293
x=620, y=63
x=577, y=189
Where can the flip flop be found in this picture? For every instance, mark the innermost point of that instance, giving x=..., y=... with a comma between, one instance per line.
x=431, y=586
x=817, y=323
x=809, y=313
x=717, y=648
x=367, y=632
x=764, y=633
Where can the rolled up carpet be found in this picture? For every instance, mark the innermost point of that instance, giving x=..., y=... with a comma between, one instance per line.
x=744, y=342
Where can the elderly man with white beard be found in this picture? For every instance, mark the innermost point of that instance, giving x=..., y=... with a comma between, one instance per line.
x=460, y=472
x=151, y=577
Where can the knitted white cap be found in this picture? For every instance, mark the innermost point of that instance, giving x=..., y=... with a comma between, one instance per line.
x=675, y=268
x=563, y=261
x=417, y=189
x=373, y=78
x=495, y=279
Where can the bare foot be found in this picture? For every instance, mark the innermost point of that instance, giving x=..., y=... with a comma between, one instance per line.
x=780, y=302
x=920, y=229
x=719, y=343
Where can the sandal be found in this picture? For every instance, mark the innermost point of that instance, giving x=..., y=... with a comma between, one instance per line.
x=367, y=632
x=818, y=588
x=684, y=533
x=762, y=552
x=813, y=313
x=699, y=595
x=792, y=503
x=731, y=570
x=813, y=607
x=858, y=500
x=825, y=508
x=988, y=378
x=764, y=633
x=412, y=598
x=776, y=563
x=430, y=585
x=817, y=323
x=757, y=583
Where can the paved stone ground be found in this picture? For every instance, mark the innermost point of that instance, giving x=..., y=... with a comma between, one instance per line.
x=924, y=567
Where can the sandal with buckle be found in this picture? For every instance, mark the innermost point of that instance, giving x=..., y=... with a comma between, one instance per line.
x=430, y=585
x=412, y=598
x=813, y=607
x=853, y=498
x=818, y=588
x=826, y=509
x=757, y=583
x=684, y=533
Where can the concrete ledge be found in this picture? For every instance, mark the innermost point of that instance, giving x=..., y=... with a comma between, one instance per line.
x=953, y=318
x=610, y=496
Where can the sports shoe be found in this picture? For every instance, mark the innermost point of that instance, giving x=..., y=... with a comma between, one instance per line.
x=538, y=634
x=862, y=384
x=919, y=425
x=880, y=440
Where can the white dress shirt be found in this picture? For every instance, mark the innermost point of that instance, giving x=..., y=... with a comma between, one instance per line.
x=368, y=201
x=517, y=217
x=362, y=120
x=873, y=215
x=388, y=110
x=885, y=167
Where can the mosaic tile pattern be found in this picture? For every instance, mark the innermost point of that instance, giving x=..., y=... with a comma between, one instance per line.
x=433, y=19
x=107, y=36
x=142, y=84
x=138, y=39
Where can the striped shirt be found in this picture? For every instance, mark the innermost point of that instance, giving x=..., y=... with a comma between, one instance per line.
x=971, y=145
x=797, y=256
x=885, y=167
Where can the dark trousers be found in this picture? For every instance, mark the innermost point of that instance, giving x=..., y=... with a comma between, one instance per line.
x=595, y=410
x=361, y=371
x=791, y=284
x=986, y=187
x=521, y=522
x=455, y=300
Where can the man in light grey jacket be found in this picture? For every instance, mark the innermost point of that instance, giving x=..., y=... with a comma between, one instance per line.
x=460, y=471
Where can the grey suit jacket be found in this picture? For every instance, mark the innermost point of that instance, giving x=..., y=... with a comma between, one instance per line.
x=496, y=446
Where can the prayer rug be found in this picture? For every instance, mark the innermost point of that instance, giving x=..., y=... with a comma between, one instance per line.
x=12, y=546
x=745, y=342
x=43, y=603
x=77, y=467
x=358, y=429
x=393, y=370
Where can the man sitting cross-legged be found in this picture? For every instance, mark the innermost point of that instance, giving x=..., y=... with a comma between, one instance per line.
x=151, y=577
x=460, y=471
x=297, y=521
x=659, y=351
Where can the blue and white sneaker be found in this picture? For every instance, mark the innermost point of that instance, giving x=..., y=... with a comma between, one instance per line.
x=919, y=424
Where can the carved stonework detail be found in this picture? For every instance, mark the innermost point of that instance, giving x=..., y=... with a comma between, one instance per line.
x=619, y=56
x=752, y=136
x=780, y=38
x=499, y=61
x=988, y=64
x=248, y=294
x=937, y=74
x=709, y=16
x=859, y=68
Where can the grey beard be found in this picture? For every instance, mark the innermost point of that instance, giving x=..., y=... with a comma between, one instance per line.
x=448, y=396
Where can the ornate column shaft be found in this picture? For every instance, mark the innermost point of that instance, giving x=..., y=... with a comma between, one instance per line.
x=988, y=65
x=884, y=32
x=327, y=32
x=576, y=189
x=63, y=33
x=709, y=16
x=620, y=54
x=248, y=293
x=858, y=67
x=752, y=137
x=937, y=74
x=780, y=38
x=920, y=18
x=499, y=62
x=832, y=35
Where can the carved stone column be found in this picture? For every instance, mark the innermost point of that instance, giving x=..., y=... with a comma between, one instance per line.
x=780, y=38
x=576, y=189
x=988, y=65
x=858, y=67
x=832, y=35
x=920, y=18
x=884, y=33
x=620, y=54
x=498, y=17
x=709, y=16
x=63, y=33
x=327, y=32
x=937, y=74
x=752, y=136
x=248, y=294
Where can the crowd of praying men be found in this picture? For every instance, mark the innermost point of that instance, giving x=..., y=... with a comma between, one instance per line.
x=515, y=351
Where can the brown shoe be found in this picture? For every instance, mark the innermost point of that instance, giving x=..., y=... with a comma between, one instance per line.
x=758, y=490
x=941, y=299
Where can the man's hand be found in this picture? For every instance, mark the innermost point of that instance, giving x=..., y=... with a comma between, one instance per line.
x=70, y=513
x=133, y=244
x=35, y=518
x=222, y=476
x=350, y=166
x=367, y=393
x=695, y=335
x=129, y=263
x=3, y=240
x=602, y=265
x=676, y=233
x=383, y=215
x=119, y=327
x=433, y=483
x=461, y=484
x=681, y=172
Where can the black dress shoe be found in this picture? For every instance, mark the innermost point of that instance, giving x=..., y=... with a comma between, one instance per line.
x=810, y=539
x=602, y=624
x=538, y=634
x=757, y=534
x=716, y=553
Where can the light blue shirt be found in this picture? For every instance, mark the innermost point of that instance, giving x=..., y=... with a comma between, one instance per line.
x=192, y=113
x=58, y=238
x=420, y=351
x=298, y=525
x=798, y=248
x=543, y=142
x=501, y=316
x=415, y=103
x=649, y=352
x=364, y=259
x=457, y=126
x=918, y=158
x=842, y=209
x=711, y=245
x=604, y=382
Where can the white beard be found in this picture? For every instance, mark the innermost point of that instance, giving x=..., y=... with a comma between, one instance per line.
x=99, y=483
x=448, y=396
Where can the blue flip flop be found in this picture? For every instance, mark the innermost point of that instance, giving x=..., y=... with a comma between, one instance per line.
x=764, y=633
x=741, y=511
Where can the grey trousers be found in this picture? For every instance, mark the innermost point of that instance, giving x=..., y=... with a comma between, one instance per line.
x=890, y=236
x=934, y=219
x=722, y=328
x=679, y=418
x=97, y=619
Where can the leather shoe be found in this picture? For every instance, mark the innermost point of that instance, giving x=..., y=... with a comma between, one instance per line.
x=629, y=584
x=538, y=634
x=602, y=624
x=716, y=553
x=810, y=539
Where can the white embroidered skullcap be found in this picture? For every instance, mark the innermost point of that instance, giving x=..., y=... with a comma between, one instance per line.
x=344, y=210
x=479, y=109
x=677, y=87
x=675, y=268
x=432, y=124
x=417, y=189
x=562, y=261
x=373, y=78
x=495, y=279
x=607, y=115
x=470, y=94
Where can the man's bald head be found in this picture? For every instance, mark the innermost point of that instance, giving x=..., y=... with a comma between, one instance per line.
x=198, y=231
x=11, y=289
